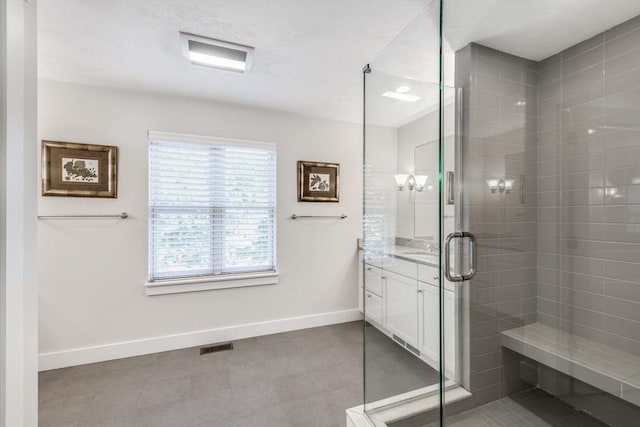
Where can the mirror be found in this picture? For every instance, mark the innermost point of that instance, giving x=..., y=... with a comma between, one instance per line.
x=417, y=211
x=426, y=201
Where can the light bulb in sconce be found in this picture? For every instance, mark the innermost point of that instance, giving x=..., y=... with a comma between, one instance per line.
x=401, y=181
x=500, y=185
x=493, y=185
x=420, y=182
x=411, y=182
x=508, y=185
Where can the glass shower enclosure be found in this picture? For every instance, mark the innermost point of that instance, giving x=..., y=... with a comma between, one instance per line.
x=501, y=242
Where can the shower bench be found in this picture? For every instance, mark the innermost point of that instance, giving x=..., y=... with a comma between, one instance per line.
x=604, y=367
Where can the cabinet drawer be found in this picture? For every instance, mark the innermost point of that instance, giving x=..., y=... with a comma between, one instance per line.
x=373, y=279
x=373, y=307
x=400, y=266
x=376, y=261
x=428, y=274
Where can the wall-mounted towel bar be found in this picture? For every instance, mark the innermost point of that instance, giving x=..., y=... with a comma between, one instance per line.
x=122, y=215
x=294, y=216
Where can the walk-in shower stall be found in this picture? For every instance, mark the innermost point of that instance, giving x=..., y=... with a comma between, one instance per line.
x=500, y=257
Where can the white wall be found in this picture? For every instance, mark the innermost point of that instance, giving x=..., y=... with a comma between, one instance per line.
x=93, y=271
x=381, y=196
x=18, y=293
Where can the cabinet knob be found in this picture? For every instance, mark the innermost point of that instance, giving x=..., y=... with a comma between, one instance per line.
x=368, y=295
x=419, y=291
x=436, y=277
x=369, y=268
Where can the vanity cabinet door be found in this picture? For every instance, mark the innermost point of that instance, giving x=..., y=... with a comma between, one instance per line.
x=401, y=307
x=373, y=279
x=360, y=281
x=373, y=304
x=429, y=327
x=450, y=337
x=429, y=337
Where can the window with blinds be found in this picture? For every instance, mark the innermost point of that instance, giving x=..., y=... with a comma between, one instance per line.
x=211, y=207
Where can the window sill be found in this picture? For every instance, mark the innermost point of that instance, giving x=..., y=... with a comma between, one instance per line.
x=179, y=286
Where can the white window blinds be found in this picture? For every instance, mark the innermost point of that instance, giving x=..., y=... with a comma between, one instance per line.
x=211, y=207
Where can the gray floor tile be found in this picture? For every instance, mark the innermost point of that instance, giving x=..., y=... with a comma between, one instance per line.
x=298, y=379
x=309, y=412
x=531, y=408
x=338, y=376
x=245, y=375
x=107, y=403
x=165, y=391
x=270, y=417
x=65, y=411
x=342, y=399
x=297, y=386
x=210, y=383
x=250, y=399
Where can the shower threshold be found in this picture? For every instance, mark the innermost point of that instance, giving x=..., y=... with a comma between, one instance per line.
x=406, y=405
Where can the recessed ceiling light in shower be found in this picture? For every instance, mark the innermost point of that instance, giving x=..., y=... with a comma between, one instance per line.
x=218, y=54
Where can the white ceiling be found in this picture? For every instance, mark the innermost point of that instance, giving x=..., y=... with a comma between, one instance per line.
x=309, y=53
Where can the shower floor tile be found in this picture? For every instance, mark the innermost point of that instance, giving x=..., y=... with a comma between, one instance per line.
x=531, y=408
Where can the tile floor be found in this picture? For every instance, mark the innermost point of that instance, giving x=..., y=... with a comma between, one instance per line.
x=531, y=408
x=301, y=378
x=390, y=370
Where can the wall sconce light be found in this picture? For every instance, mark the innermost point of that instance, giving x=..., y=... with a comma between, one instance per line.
x=500, y=185
x=401, y=181
x=411, y=182
x=420, y=182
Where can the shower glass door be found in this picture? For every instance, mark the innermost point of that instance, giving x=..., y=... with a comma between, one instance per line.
x=412, y=332
x=501, y=140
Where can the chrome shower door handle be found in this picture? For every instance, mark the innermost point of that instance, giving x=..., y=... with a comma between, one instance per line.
x=473, y=256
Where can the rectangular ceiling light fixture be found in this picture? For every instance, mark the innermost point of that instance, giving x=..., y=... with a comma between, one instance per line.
x=401, y=96
x=218, y=54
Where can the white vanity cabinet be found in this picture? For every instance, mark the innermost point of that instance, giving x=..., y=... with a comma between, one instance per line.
x=429, y=326
x=401, y=307
x=373, y=279
x=373, y=293
x=402, y=300
x=429, y=309
x=374, y=308
x=429, y=322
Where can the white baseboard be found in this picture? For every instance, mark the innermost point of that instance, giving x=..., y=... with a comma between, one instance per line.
x=101, y=353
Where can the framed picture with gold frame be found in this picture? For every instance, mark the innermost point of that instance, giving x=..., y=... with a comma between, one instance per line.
x=79, y=170
x=318, y=182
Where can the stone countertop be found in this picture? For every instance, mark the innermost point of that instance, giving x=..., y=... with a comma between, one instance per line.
x=416, y=255
x=407, y=253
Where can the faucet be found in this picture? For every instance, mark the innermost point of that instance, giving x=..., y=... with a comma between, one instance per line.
x=432, y=249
